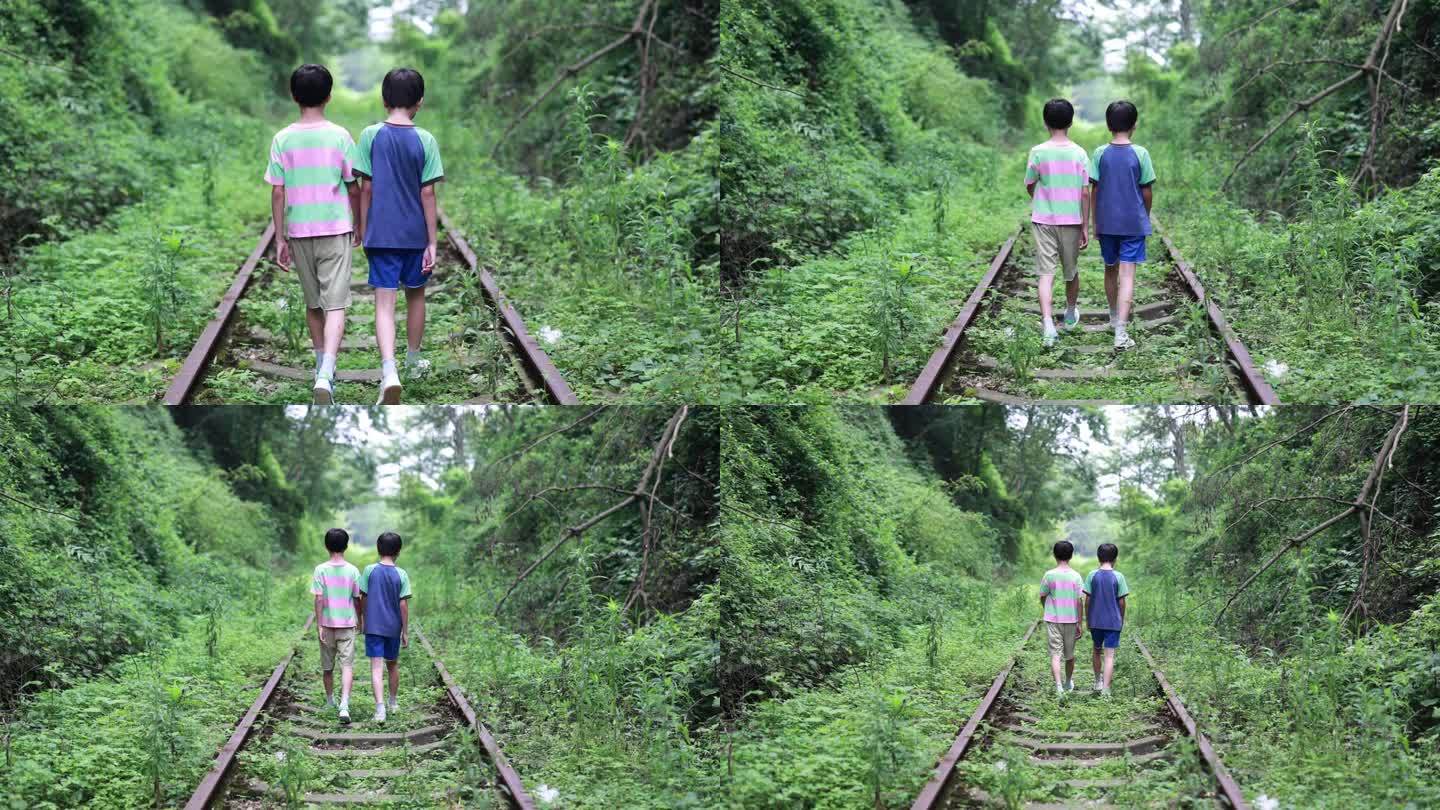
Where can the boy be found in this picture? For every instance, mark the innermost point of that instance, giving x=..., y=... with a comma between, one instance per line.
x=336, y=586
x=1123, y=175
x=384, y=589
x=1060, y=598
x=1105, y=591
x=399, y=164
x=315, y=203
x=1057, y=180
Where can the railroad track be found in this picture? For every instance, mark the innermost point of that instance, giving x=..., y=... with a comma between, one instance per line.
x=1080, y=751
x=433, y=752
x=480, y=347
x=1186, y=349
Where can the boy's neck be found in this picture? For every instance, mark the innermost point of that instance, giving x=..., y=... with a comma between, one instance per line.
x=1120, y=137
x=1062, y=563
x=312, y=115
x=1107, y=566
x=387, y=560
x=403, y=116
x=337, y=556
x=1059, y=136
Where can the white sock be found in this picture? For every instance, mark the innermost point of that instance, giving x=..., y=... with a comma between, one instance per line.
x=327, y=365
x=319, y=356
x=387, y=367
x=412, y=355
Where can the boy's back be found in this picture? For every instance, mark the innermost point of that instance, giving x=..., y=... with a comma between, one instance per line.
x=1106, y=587
x=1118, y=171
x=1061, y=587
x=312, y=162
x=384, y=586
x=1060, y=172
x=399, y=160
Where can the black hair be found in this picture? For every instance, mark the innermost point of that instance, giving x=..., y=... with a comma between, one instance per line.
x=1121, y=116
x=336, y=540
x=1059, y=113
x=1107, y=552
x=402, y=87
x=310, y=85
x=388, y=544
x=1064, y=551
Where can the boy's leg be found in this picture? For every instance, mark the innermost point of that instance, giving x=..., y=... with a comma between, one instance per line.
x=414, y=317
x=1073, y=631
x=385, y=324
x=1109, y=665
x=1112, y=288
x=315, y=319
x=377, y=666
x=328, y=677
x=1057, y=649
x=394, y=667
x=1124, y=291
x=1047, y=260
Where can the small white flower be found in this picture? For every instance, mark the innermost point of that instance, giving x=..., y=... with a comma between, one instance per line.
x=282, y=304
x=1263, y=802
x=1276, y=369
x=1009, y=331
x=550, y=335
x=1001, y=765
x=279, y=756
x=547, y=794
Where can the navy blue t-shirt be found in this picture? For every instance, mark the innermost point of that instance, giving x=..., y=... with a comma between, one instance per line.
x=399, y=161
x=1105, y=587
x=1118, y=170
x=384, y=586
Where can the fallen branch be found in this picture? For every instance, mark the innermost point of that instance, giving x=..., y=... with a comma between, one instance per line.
x=758, y=82
x=636, y=29
x=7, y=496
x=527, y=448
x=1359, y=505
x=663, y=448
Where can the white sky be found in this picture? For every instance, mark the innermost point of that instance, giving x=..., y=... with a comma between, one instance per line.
x=1115, y=47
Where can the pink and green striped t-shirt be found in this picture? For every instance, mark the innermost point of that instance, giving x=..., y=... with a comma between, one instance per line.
x=337, y=584
x=313, y=163
x=1061, y=173
x=1061, y=589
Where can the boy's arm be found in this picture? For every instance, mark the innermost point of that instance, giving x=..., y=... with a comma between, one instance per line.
x=277, y=212
x=1085, y=220
x=1121, y=600
x=404, y=622
x=353, y=190
x=1147, y=195
x=427, y=201
x=318, y=606
x=364, y=211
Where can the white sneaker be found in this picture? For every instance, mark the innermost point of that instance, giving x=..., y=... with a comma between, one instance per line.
x=1099, y=687
x=392, y=705
x=345, y=713
x=329, y=703
x=380, y=712
x=389, y=389
x=1123, y=340
x=1060, y=689
x=1105, y=692
x=324, y=392
x=1069, y=686
x=1049, y=335
x=418, y=369
x=1071, y=319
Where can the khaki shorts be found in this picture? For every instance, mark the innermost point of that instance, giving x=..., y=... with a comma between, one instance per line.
x=323, y=265
x=1056, y=246
x=335, y=640
x=1062, y=638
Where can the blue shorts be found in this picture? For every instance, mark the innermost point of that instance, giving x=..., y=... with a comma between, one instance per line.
x=1102, y=638
x=1116, y=249
x=389, y=648
x=391, y=267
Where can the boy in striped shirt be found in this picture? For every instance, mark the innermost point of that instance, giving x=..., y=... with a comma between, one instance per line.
x=1057, y=178
x=1064, y=613
x=315, y=203
x=336, y=586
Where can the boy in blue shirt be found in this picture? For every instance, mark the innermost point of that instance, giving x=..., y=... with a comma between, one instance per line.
x=384, y=602
x=1123, y=176
x=1105, y=592
x=399, y=165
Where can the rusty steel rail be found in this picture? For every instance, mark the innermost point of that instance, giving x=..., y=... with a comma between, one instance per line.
x=945, y=769
x=203, y=352
x=210, y=784
x=536, y=363
x=930, y=377
x=928, y=384
x=514, y=787
x=1254, y=382
x=1228, y=788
